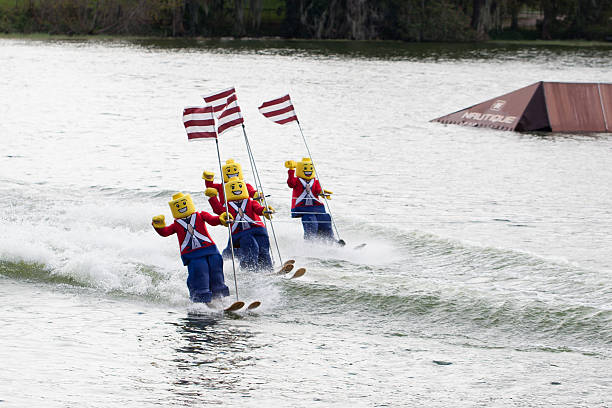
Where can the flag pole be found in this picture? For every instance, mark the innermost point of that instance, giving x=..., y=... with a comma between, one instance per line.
x=260, y=186
x=229, y=226
x=317, y=172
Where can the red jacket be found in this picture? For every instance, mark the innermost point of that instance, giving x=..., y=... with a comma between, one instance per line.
x=251, y=210
x=219, y=187
x=300, y=197
x=191, y=231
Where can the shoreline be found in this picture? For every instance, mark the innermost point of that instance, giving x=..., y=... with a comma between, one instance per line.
x=64, y=37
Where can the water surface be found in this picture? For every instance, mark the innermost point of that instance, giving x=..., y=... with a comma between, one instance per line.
x=487, y=275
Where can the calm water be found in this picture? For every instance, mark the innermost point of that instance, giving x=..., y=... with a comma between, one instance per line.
x=487, y=275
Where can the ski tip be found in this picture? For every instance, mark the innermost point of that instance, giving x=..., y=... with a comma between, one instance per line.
x=298, y=273
x=286, y=268
x=254, y=305
x=234, y=306
x=290, y=261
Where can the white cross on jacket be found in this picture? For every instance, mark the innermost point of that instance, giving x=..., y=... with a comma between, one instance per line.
x=306, y=195
x=241, y=217
x=191, y=235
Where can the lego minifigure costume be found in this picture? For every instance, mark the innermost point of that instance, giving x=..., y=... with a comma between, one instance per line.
x=198, y=251
x=249, y=234
x=305, y=204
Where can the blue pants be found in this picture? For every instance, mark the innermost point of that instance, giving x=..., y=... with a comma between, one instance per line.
x=253, y=249
x=315, y=221
x=205, y=279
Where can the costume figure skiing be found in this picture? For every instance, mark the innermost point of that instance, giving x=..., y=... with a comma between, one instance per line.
x=231, y=171
x=305, y=202
x=198, y=251
x=249, y=235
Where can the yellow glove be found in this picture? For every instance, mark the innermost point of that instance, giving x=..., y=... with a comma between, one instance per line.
x=223, y=218
x=258, y=196
x=327, y=194
x=208, y=175
x=268, y=211
x=211, y=192
x=159, y=221
x=290, y=164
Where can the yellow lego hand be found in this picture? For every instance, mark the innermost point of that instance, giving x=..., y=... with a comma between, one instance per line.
x=211, y=192
x=268, y=211
x=159, y=221
x=225, y=219
x=208, y=175
x=327, y=194
x=290, y=164
x=258, y=196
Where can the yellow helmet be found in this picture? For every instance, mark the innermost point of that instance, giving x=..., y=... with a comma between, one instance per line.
x=236, y=190
x=232, y=170
x=305, y=169
x=181, y=205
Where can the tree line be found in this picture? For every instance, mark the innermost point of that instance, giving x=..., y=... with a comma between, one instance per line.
x=407, y=20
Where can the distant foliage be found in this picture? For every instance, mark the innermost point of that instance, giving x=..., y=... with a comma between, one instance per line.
x=351, y=19
x=434, y=20
x=588, y=19
x=408, y=20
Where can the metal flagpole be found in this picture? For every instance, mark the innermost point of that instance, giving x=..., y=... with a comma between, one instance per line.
x=229, y=226
x=340, y=241
x=260, y=186
x=257, y=183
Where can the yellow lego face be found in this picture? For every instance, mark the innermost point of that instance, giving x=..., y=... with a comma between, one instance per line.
x=232, y=170
x=181, y=205
x=305, y=169
x=236, y=190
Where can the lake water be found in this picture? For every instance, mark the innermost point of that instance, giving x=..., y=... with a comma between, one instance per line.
x=487, y=275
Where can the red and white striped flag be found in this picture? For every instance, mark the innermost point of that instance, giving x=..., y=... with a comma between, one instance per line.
x=199, y=122
x=279, y=110
x=230, y=116
x=218, y=100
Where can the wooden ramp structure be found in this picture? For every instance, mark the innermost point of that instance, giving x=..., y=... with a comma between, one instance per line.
x=543, y=106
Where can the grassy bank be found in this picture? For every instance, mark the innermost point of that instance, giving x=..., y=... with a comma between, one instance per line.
x=60, y=37
x=554, y=43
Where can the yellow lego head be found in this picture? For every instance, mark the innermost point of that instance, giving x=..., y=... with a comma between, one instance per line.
x=305, y=169
x=232, y=170
x=236, y=190
x=181, y=205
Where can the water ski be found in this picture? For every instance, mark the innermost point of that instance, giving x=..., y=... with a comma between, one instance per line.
x=254, y=305
x=287, y=267
x=298, y=273
x=234, y=306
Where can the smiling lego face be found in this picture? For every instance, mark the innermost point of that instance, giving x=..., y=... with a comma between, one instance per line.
x=236, y=190
x=181, y=205
x=305, y=169
x=232, y=171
